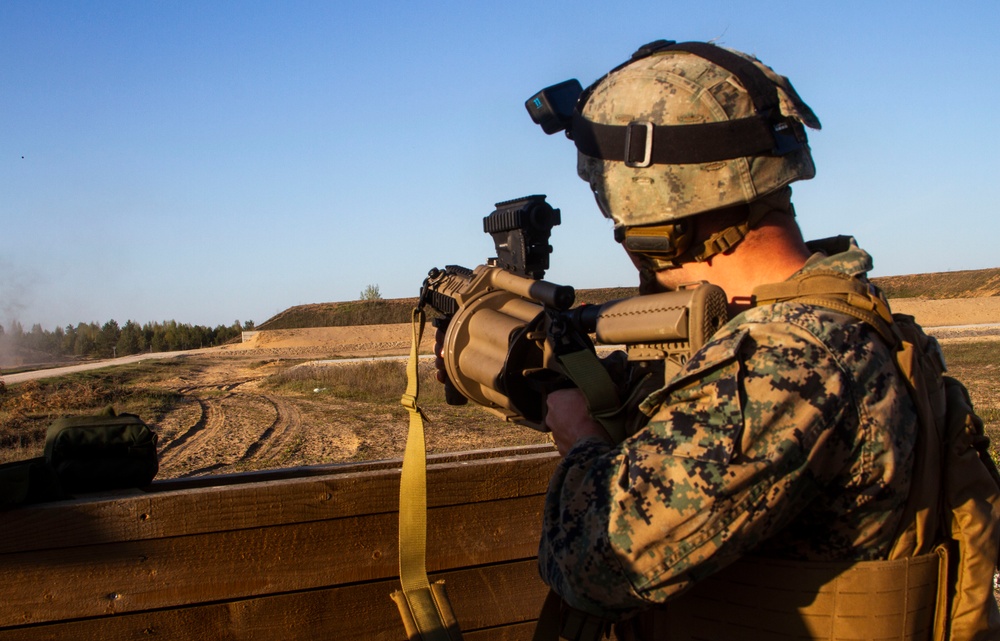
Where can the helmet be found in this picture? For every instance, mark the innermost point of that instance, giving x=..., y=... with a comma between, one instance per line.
x=696, y=128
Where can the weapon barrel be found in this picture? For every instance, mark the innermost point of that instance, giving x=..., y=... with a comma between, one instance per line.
x=559, y=297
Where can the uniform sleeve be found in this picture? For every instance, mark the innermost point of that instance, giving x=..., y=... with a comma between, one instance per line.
x=737, y=445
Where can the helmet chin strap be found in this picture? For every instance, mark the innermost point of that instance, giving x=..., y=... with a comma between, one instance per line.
x=718, y=243
x=648, y=283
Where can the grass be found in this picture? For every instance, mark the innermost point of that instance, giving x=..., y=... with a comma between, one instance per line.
x=369, y=381
x=977, y=365
x=27, y=409
x=975, y=355
x=379, y=383
x=957, y=284
x=374, y=312
x=372, y=390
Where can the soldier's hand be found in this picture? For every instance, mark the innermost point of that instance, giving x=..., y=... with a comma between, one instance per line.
x=569, y=420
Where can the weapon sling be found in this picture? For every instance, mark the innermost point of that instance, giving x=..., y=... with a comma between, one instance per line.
x=423, y=606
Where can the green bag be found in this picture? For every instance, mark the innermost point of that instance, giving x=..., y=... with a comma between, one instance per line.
x=83, y=454
x=93, y=453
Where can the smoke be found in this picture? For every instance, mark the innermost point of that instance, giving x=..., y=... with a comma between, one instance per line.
x=15, y=293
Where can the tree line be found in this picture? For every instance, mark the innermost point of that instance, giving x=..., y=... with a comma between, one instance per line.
x=90, y=340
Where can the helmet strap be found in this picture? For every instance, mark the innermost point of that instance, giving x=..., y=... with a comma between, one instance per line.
x=718, y=243
x=723, y=241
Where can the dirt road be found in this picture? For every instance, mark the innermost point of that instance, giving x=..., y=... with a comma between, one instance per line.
x=20, y=377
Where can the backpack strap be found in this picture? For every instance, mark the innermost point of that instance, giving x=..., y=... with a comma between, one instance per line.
x=919, y=526
x=837, y=291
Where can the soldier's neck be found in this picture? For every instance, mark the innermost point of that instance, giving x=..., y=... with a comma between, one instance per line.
x=769, y=258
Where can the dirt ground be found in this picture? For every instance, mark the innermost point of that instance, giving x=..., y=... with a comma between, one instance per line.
x=335, y=342
x=950, y=312
x=231, y=421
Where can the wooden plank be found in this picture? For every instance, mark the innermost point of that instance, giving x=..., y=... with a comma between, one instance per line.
x=114, y=578
x=492, y=603
x=258, y=476
x=254, y=505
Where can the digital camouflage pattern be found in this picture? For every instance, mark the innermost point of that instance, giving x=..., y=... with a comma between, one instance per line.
x=790, y=435
x=680, y=88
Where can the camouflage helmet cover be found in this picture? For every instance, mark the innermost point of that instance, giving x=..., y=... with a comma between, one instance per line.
x=681, y=88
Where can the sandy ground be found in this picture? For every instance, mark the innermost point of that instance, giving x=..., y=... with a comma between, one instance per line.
x=336, y=342
x=950, y=312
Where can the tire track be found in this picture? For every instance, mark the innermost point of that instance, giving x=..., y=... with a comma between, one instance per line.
x=238, y=426
x=207, y=435
x=189, y=432
x=207, y=428
x=203, y=470
x=280, y=435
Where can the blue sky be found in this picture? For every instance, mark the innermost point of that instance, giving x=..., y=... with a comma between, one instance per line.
x=207, y=162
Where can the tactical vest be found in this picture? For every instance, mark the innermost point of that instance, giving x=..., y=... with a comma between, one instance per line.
x=938, y=581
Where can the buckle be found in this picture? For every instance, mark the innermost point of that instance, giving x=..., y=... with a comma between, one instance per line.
x=409, y=402
x=639, y=137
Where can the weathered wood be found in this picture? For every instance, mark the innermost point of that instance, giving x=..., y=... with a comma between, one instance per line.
x=302, y=557
x=138, y=575
x=295, y=500
x=492, y=603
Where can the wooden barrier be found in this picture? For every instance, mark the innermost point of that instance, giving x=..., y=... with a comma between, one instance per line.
x=308, y=553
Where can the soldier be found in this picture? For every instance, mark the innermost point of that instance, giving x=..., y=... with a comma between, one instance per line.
x=787, y=442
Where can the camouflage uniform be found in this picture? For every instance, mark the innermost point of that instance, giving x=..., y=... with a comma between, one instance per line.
x=790, y=435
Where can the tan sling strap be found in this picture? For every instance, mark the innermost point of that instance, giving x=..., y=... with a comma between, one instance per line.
x=840, y=292
x=585, y=370
x=780, y=600
x=424, y=607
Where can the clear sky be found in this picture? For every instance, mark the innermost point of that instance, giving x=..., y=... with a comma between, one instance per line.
x=213, y=161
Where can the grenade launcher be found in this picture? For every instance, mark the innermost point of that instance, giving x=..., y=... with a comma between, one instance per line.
x=510, y=337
